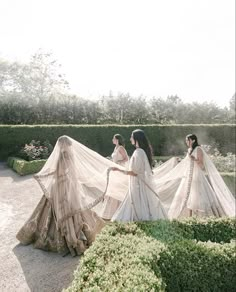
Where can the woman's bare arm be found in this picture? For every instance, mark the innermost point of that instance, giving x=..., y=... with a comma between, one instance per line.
x=127, y=172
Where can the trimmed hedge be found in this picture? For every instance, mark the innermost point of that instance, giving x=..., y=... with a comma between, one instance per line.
x=23, y=167
x=192, y=266
x=166, y=140
x=160, y=256
x=214, y=229
x=121, y=264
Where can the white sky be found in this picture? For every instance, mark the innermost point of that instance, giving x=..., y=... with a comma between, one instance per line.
x=149, y=47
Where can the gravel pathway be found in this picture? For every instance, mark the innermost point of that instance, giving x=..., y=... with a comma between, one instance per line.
x=23, y=268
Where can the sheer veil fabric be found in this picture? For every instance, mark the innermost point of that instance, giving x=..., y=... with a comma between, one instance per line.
x=179, y=186
x=86, y=175
x=76, y=179
x=187, y=188
x=73, y=180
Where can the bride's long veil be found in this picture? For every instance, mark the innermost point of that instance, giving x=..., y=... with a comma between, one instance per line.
x=167, y=185
x=75, y=178
x=225, y=198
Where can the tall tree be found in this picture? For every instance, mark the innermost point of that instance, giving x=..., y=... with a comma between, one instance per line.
x=46, y=81
x=37, y=81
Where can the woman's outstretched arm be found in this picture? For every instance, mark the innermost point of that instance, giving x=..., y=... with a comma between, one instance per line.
x=127, y=172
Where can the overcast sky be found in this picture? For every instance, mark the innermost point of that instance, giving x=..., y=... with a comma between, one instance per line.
x=149, y=47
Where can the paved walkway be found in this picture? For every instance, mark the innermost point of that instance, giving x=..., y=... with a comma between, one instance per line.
x=23, y=268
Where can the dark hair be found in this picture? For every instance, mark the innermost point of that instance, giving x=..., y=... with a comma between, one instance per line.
x=139, y=136
x=120, y=139
x=193, y=138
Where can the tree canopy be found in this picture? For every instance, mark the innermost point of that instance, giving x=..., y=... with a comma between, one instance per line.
x=38, y=93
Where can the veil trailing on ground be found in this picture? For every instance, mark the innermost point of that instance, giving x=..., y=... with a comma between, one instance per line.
x=76, y=178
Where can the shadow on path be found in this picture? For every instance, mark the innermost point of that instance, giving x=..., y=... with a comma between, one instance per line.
x=45, y=271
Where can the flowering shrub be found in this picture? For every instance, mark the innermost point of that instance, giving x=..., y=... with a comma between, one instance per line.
x=222, y=163
x=36, y=150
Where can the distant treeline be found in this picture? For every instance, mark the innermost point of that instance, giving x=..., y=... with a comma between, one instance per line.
x=121, y=109
x=37, y=93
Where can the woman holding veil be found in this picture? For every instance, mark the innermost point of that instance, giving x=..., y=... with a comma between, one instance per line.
x=141, y=202
x=195, y=187
x=73, y=180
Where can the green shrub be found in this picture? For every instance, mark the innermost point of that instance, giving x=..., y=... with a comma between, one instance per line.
x=10, y=161
x=226, y=163
x=160, y=256
x=192, y=266
x=23, y=167
x=166, y=140
x=120, y=264
x=212, y=229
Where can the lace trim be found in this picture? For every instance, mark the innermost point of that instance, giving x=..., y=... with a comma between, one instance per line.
x=79, y=210
x=37, y=177
x=188, y=185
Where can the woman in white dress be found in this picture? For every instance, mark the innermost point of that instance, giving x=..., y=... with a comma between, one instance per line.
x=119, y=156
x=195, y=187
x=141, y=202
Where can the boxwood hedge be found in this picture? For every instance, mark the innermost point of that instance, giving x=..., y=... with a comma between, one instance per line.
x=23, y=167
x=188, y=255
x=165, y=139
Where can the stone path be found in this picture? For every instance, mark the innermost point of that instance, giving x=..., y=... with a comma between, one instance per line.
x=23, y=268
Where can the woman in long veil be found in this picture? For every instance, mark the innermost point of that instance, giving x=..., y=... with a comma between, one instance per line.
x=194, y=187
x=73, y=180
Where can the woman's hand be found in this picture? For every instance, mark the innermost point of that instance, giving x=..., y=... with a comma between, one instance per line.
x=115, y=168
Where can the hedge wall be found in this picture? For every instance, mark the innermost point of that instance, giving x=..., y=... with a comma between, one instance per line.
x=189, y=255
x=166, y=140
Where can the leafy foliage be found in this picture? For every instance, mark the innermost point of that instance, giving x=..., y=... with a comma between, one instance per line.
x=23, y=167
x=160, y=256
x=224, y=163
x=166, y=140
x=36, y=150
x=38, y=93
